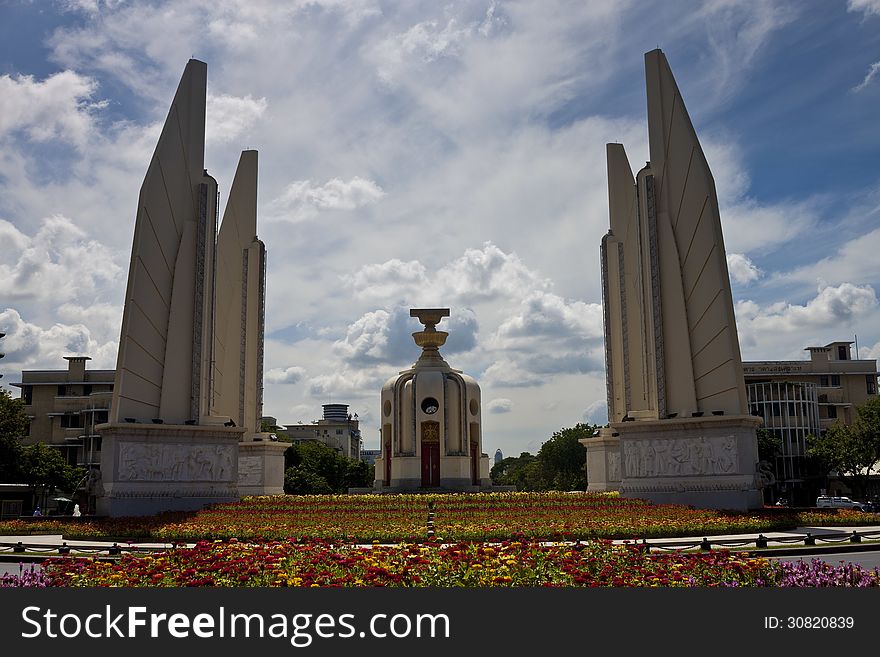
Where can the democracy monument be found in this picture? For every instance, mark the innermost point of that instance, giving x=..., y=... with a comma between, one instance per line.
x=431, y=422
x=679, y=429
x=183, y=429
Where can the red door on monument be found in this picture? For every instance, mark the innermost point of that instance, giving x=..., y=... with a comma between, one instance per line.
x=388, y=464
x=430, y=454
x=475, y=465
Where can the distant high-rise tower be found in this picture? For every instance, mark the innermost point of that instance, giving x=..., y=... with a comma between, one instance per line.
x=498, y=456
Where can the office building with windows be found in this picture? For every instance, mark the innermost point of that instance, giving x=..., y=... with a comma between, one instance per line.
x=338, y=430
x=64, y=407
x=799, y=398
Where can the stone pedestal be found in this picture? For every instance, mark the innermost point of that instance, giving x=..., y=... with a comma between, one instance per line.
x=150, y=468
x=603, y=461
x=706, y=462
x=261, y=466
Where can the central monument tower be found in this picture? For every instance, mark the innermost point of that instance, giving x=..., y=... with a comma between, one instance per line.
x=431, y=421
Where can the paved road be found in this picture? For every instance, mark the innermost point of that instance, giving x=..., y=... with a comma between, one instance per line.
x=869, y=560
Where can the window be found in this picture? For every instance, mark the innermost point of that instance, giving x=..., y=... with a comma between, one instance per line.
x=871, y=382
x=835, y=380
x=823, y=381
x=841, y=352
x=62, y=391
x=339, y=432
x=27, y=395
x=87, y=390
x=832, y=412
x=71, y=421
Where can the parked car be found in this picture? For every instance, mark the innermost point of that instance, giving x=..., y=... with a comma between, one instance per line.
x=835, y=502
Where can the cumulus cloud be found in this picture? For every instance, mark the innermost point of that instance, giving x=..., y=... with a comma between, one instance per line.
x=500, y=405
x=384, y=336
x=349, y=383
x=227, y=117
x=505, y=373
x=832, y=306
x=285, y=375
x=57, y=262
x=478, y=275
x=302, y=199
x=28, y=345
x=873, y=70
x=741, y=269
x=61, y=107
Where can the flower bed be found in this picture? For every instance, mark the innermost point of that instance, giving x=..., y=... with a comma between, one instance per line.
x=509, y=563
x=477, y=517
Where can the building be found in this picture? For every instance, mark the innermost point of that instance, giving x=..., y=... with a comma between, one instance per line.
x=338, y=430
x=369, y=456
x=65, y=405
x=799, y=398
x=499, y=456
x=679, y=429
x=431, y=422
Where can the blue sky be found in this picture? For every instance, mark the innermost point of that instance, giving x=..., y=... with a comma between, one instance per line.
x=423, y=153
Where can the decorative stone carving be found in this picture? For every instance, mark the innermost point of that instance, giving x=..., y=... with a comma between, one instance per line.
x=151, y=462
x=663, y=457
x=613, y=473
x=250, y=470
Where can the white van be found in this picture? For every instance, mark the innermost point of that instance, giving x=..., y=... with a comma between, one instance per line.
x=829, y=502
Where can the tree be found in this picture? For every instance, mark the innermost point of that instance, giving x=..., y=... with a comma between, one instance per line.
x=851, y=450
x=46, y=470
x=769, y=446
x=14, y=424
x=312, y=468
x=560, y=464
x=521, y=471
x=563, y=460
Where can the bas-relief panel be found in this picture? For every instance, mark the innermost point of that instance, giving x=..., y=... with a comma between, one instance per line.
x=250, y=471
x=146, y=462
x=613, y=473
x=675, y=457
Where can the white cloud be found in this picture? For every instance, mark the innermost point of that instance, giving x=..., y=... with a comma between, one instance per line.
x=349, y=384
x=869, y=7
x=28, y=345
x=57, y=108
x=478, y=275
x=597, y=413
x=227, y=117
x=302, y=199
x=285, y=375
x=873, y=70
x=58, y=263
x=854, y=260
x=385, y=336
x=742, y=270
x=499, y=405
x=832, y=307
x=504, y=373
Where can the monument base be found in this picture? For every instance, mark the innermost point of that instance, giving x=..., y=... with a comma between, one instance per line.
x=455, y=475
x=261, y=466
x=706, y=462
x=150, y=468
